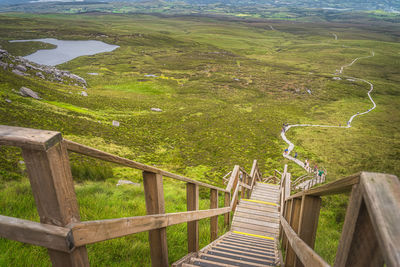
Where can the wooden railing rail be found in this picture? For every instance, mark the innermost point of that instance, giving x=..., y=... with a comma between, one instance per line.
x=370, y=234
x=94, y=153
x=46, y=156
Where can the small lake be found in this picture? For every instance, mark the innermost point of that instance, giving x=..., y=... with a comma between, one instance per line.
x=66, y=50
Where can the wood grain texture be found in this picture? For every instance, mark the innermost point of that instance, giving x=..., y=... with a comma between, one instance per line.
x=45, y=235
x=227, y=203
x=27, y=138
x=233, y=179
x=381, y=194
x=294, y=223
x=306, y=254
x=192, y=197
x=53, y=189
x=214, y=219
x=90, y=232
x=339, y=186
x=308, y=222
x=349, y=226
x=88, y=151
x=154, y=196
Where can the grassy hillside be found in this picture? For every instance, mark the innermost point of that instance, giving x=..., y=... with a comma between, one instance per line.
x=225, y=87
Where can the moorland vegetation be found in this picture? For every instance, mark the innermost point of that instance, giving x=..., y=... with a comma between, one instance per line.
x=225, y=86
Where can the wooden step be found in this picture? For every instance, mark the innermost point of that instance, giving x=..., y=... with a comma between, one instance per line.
x=239, y=257
x=246, y=251
x=227, y=260
x=255, y=231
x=256, y=217
x=243, y=209
x=230, y=244
x=206, y=263
x=255, y=222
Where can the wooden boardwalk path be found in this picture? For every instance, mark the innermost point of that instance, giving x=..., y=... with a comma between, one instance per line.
x=252, y=239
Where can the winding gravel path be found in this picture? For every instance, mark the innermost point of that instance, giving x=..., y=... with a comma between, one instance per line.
x=339, y=72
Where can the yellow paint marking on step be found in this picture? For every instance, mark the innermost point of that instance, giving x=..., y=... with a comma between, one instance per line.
x=268, y=183
x=260, y=236
x=259, y=201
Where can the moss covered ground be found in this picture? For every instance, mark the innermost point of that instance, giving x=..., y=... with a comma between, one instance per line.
x=225, y=86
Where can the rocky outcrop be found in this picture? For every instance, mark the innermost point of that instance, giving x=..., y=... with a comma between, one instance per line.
x=25, y=91
x=24, y=67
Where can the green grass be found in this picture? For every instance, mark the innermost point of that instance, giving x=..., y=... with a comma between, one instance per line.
x=225, y=86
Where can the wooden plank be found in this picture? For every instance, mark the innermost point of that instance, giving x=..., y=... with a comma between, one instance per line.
x=271, y=233
x=235, y=198
x=382, y=198
x=247, y=252
x=31, y=139
x=233, y=179
x=53, y=189
x=228, y=260
x=237, y=256
x=288, y=212
x=207, y=262
x=184, y=260
x=260, y=207
x=214, y=219
x=154, y=195
x=90, y=232
x=44, y=235
x=227, y=203
x=288, y=185
x=256, y=217
x=349, y=226
x=364, y=248
x=248, y=244
x=335, y=187
x=290, y=258
x=271, y=215
x=254, y=222
x=247, y=227
x=308, y=222
x=192, y=197
x=306, y=254
x=94, y=153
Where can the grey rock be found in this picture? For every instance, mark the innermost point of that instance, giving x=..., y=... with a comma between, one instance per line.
x=8, y=100
x=24, y=91
x=11, y=65
x=156, y=109
x=40, y=75
x=83, y=93
x=122, y=182
x=21, y=68
x=4, y=65
x=93, y=73
x=19, y=73
x=3, y=52
x=115, y=123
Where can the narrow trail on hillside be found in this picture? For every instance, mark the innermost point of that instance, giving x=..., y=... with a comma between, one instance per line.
x=339, y=74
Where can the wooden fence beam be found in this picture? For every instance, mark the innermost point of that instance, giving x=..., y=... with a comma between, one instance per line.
x=53, y=189
x=192, y=198
x=154, y=195
x=227, y=203
x=309, y=214
x=214, y=219
x=294, y=222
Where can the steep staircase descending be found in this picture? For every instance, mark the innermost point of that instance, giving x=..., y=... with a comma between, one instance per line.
x=252, y=239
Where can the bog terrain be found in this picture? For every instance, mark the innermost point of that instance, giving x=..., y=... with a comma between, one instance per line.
x=196, y=95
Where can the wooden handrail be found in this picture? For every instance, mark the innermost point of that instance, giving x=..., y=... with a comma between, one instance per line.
x=306, y=254
x=90, y=232
x=61, y=231
x=39, y=234
x=92, y=152
x=335, y=187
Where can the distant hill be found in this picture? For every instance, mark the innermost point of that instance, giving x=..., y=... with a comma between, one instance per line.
x=387, y=5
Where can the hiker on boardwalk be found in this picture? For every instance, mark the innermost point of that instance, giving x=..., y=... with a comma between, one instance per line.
x=295, y=155
x=315, y=168
x=286, y=151
x=320, y=174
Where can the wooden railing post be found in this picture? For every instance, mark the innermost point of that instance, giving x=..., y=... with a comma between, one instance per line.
x=286, y=215
x=227, y=203
x=192, y=198
x=294, y=218
x=309, y=214
x=53, y=189
x=214, y=220
x=154, y=194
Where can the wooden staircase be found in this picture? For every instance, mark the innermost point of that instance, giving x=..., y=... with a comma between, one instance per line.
x=252, y=239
